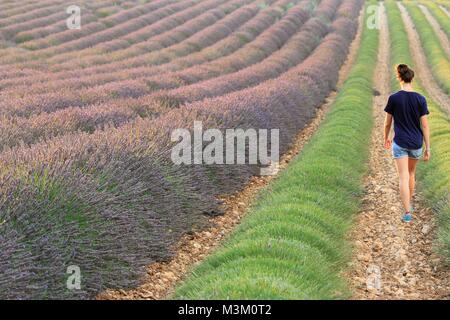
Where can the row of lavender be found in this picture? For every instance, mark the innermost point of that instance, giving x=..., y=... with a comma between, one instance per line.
x=115, y=13
x=26, y=21
x=214, y=32
x=62, y=112
x=161, y=40
x=179, y=20
x=71, y=200
x=202, y=40
x=38, y=20
x=110, y=28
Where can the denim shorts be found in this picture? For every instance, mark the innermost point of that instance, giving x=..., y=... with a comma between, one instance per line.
x=399, y=152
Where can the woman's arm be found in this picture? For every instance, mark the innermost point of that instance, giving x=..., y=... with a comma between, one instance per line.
x=387, y=130
x=426, y=137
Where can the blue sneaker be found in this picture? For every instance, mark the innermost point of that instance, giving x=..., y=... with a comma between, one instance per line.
x=407, y=217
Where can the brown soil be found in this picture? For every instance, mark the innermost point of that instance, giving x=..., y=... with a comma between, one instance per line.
x=423, y=71
x=191, y=249
x=437, y=29
x=392, y=260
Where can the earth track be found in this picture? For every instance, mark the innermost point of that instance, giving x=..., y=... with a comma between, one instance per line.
x=392, y=260
x=445, y=43
x=445, y=10
x=423, y=70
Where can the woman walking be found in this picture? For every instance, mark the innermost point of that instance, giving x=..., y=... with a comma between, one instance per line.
x=409, y=111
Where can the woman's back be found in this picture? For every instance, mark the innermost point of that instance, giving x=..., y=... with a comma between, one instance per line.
x=408, y=110
x=407, y=107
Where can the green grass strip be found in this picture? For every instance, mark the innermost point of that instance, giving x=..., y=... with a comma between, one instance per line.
x=440, y=16
x=436, y=56
x=443, y=3
x=292, y=245
x=434, y=177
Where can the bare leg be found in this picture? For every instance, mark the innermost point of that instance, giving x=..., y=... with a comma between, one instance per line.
x=403, y=175
x=412, y=163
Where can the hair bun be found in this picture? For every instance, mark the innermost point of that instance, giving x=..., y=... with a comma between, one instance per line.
x=405, y=73
x=402, y=68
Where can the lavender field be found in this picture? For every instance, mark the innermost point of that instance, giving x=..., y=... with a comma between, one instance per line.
x=89, y=98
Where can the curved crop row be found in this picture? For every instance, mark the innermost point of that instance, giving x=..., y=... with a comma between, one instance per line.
x=275, y=41
x=91, y=13
x=7, y=71
x=128, y=42
x=152, y=57
x=436, y=56
x=268, y=42
x=90, y=76
x=434, y=176
x=441, y=17
x=113, y=39
x=56, y=100
x=58, y=52
x=23, y=13
x=10, y=6
x=200, y=84
x=202, y=16
x=10, y=9
x=123, y=28
x=263, y=46
x=65, y=39
x=25, y=37
x=292, y=243
x=135, y=12
x=57, y=14
x=17, y=130
x=98, y=187
x=29, y=130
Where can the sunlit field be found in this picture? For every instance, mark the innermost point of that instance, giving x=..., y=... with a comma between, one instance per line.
x=218, y=149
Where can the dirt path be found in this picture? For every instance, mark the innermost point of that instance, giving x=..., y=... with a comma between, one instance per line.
x=192, y=248
x=445, y=10
x=392, y=260
x=423, y=71
x=437, y=29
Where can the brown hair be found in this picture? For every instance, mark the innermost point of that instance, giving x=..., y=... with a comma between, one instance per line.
x=405, y=73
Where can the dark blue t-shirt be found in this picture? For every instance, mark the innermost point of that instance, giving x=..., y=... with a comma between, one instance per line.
x=407, y=107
